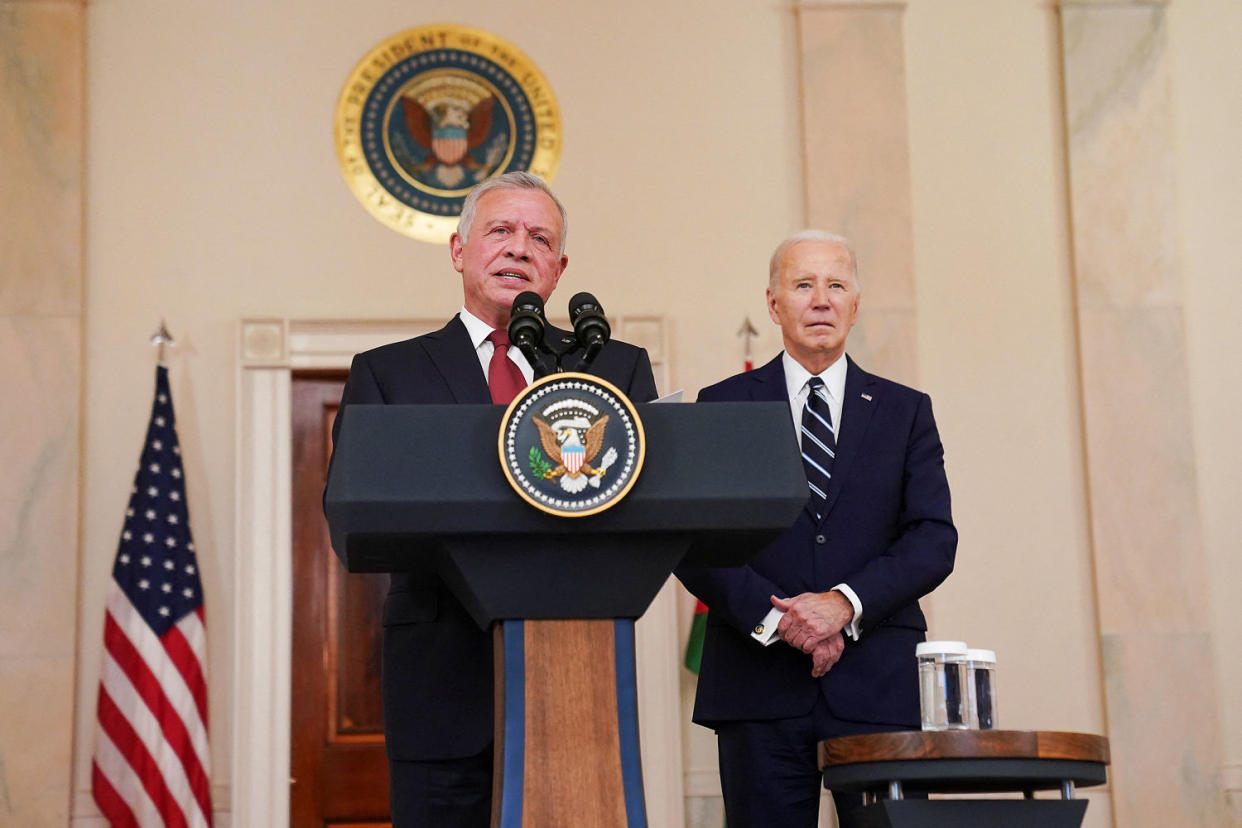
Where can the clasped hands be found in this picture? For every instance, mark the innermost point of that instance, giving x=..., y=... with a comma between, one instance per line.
x=812, y=623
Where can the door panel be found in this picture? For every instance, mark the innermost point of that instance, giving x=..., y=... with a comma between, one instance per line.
x=339, y=774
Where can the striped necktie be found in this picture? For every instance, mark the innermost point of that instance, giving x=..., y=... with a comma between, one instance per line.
x=819, y=443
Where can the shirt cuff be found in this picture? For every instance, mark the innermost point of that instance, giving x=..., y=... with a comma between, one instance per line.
x=765, y=631
x=851, y=629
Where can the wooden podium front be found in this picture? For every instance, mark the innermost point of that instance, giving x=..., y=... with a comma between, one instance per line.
x=567, y=749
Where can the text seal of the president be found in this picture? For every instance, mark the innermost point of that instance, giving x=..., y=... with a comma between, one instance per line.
x=435, y=110
x=571, y=444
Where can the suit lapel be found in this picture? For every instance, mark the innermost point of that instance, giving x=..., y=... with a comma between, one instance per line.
x=456, y=360
x=768, y=383
x=856, y=412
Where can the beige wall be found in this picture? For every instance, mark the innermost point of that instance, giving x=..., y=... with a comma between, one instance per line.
x=1207, y=132
x=213, y=195
x=998, y=353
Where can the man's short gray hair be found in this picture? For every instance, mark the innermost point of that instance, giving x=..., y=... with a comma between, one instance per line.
x=812, y=235
x=516, y=180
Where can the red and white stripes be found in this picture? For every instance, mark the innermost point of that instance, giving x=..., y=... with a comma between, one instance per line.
x=151, y=764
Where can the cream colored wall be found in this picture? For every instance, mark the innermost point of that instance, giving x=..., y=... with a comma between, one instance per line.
x=997, y=353
x=997, y=350
x=1207, y=96
x=213, y=194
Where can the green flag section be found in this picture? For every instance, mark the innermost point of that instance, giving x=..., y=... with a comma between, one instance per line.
x=694, y=643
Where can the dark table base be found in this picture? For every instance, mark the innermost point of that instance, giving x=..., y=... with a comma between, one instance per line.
x=974, y=813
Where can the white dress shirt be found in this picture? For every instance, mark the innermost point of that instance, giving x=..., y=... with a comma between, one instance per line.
x=479, y=331
x=796, y=379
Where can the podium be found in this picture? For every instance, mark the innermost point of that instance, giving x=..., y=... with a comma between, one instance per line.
x=411, y=484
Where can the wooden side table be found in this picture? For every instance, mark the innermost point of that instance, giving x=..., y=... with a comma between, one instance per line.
x=886, y=767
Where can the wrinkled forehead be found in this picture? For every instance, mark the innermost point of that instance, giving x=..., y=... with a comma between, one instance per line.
x=814, y=258
x=529, y=208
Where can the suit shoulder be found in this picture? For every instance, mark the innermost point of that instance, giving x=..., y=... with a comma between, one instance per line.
x=727, y=389
x=629, y=350
x=903, y=397
x=404, y=350
x=394, y=353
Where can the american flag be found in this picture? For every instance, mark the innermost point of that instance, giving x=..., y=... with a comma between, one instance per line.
x=151, y=765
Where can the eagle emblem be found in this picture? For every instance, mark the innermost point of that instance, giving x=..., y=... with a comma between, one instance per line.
x=448, y=122
x=432, y=111
x=572, y=443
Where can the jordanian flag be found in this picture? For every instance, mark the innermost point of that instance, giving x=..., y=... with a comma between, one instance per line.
x=694, y=644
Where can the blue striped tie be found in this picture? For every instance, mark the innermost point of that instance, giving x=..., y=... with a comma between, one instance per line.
x=819, y=443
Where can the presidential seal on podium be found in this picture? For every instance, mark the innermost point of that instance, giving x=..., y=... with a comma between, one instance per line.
x=435, y=110
x=571, y=444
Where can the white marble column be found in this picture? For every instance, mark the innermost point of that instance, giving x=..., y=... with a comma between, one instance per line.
x=41, y=143
x=1151, y=584
x=856, y=164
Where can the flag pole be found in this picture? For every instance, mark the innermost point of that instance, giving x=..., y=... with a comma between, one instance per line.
x=747, y=332
x=151, y=763
x=161, y=338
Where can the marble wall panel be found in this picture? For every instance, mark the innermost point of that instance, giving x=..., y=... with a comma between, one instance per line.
x=41, y=153
x=36, y=705
x=1165, y=766
x=884, y=341
x=856, y=147
x=1150, y=570
x=41, y=157
x=1119, y=120
x=1160, y=695
x=39, y=488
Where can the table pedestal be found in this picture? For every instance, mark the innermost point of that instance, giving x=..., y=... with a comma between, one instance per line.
x=962, y=813
x=886, y=767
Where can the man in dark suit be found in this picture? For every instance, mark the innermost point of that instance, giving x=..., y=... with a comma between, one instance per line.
x=437, y=663
x=815, y=637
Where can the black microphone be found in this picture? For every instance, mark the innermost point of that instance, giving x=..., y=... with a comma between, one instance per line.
x=526, y=325
x=590, y=326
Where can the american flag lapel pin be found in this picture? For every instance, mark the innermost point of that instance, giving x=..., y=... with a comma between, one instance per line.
x=867, y=397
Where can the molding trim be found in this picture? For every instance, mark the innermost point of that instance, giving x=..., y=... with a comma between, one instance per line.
x=85, y=813
x=269, y=350
x=1069, y=4
x=851, y=5
x=1231, y=778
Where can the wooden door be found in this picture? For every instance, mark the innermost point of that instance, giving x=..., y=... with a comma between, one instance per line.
x=338, y=772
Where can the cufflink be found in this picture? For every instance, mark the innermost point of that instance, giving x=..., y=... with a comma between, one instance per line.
x=759, y=629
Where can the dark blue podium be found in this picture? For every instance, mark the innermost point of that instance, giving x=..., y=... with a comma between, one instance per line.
x=418, y=486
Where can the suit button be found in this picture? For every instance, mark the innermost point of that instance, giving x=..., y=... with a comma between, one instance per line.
x=821, y=539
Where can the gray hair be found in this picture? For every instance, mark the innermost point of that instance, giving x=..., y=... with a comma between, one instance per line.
x=516, y=180
x=812, y=235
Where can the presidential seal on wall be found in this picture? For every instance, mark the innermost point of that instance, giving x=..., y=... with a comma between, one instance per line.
x=431, y=112
x=571, y=444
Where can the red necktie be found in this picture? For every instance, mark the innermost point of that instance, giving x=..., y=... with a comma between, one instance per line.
x=504, y=378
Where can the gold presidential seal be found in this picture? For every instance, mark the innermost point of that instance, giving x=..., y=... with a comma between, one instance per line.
x=571, y=444
x=431, y=112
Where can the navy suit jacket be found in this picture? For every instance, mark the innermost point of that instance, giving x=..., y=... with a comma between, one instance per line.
x=886, y=532
x=437, y=663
